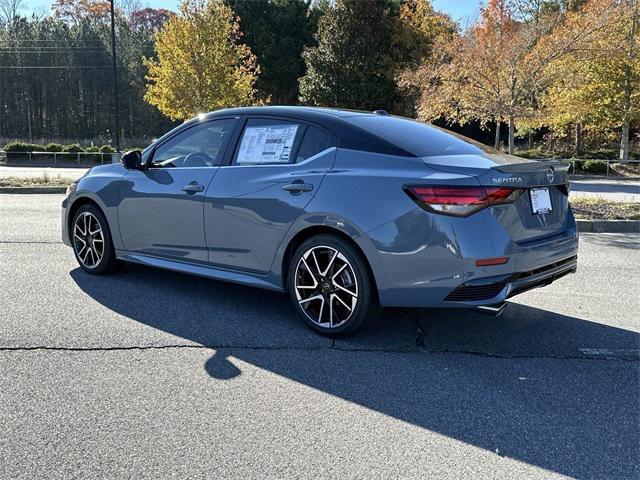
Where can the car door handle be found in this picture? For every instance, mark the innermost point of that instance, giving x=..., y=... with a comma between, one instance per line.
x=193, y=187
x=298, y=187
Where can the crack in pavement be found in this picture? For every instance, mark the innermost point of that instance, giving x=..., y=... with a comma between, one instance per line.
x=29, y=242
x=421, y=350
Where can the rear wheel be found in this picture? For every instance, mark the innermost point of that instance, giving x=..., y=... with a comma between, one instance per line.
x=91, y=240
x=330, y=286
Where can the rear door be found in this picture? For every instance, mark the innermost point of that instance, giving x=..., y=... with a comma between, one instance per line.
x=276, y=169
x=161, y=208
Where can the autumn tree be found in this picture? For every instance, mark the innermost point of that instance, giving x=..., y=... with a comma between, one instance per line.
x=419, y=35
x=352, y=65
x=149, y=18
x=201, y=63
x=78, y=10
x=498, y=67
x=598, y=84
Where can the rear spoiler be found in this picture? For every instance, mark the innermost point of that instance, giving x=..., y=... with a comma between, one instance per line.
x=533, y=166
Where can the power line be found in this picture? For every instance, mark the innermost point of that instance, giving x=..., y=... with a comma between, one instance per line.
x=13, y=67
x=53, y=51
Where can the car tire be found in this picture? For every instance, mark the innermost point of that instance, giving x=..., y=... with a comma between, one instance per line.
x=91, y=241
x=330, y=286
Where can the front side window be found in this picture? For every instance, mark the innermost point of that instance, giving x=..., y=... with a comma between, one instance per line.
x=267, y=141
x=199, y=146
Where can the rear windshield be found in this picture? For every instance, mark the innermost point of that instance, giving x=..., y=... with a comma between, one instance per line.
x=418, y=138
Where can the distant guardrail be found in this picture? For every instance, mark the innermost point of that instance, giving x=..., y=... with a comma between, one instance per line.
x=573, y=161
x=58, y=157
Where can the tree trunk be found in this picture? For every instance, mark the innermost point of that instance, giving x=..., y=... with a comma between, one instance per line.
x=624, y=142
x=626, y=119
x=530, y=146
x=512, y=132
x=578, y=144
x=496, y=144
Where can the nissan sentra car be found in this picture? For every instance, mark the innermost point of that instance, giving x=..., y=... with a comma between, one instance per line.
x=345, y=211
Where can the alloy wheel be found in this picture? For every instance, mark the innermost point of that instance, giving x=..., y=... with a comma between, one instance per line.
x=326, y=286
x=88, y=239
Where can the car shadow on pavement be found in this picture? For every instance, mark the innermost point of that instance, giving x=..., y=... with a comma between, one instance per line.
x=452, y=373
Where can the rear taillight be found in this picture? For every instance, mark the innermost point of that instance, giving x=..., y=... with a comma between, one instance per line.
x=461, y=201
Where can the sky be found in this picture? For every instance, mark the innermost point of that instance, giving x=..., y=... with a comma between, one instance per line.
x=462, y=10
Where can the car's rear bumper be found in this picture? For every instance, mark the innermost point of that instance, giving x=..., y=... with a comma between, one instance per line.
x=495, y=290
x=436, y=266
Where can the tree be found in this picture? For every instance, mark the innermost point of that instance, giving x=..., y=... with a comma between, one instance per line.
x=498, y=67
x=352, y=65
x=201, y=64
x=9, y=10
x=77, y=10
x=277, y=31
x=419, y=33
x=598, y=84
x=149, y=18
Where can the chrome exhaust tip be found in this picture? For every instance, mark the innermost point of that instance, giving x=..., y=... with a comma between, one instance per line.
x=494, y=310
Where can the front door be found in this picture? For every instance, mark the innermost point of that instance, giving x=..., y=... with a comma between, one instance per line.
x=275, y=171
x=161, y=207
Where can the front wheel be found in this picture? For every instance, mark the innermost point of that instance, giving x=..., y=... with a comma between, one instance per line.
x=330, y=286
x=91, y=240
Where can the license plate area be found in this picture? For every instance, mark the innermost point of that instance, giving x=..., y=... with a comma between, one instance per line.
x=540, y=200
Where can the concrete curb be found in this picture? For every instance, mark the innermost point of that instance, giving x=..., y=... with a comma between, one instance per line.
x=608, y=226
x=33, y=190
x=613, y=178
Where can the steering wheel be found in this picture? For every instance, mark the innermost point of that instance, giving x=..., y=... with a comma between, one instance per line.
x=197, y=159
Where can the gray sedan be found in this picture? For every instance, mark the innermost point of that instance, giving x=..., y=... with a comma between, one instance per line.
x=345, y=211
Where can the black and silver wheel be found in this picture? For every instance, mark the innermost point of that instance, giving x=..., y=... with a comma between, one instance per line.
x=91, y=241
x=329, y=285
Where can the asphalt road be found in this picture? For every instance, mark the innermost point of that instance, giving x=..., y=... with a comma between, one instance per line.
x=149, y=374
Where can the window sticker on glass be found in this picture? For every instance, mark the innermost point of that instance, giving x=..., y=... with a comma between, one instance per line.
x=267, y=144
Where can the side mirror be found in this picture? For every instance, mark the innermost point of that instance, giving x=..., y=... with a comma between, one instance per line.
x=132, y=160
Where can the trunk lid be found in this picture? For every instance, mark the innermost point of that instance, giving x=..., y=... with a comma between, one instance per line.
x=498, y=170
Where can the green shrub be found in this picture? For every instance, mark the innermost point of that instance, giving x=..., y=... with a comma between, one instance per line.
x=22, y=147
x=107, y=149
x=579, y=164
x=73, y=148
x=595, y=167
x=92, y=148
x=53, y=147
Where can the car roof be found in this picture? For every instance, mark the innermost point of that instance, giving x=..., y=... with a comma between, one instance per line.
x=296, y=111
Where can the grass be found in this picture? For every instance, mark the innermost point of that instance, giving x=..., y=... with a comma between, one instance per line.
x=591, y=208
x=43, y=181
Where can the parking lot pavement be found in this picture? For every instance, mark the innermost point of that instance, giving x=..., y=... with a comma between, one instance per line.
x=147, y=374
x=614, y=190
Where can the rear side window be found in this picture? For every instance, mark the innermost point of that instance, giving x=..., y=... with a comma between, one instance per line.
x=315, y=140
x=418, y=138
x=268, y=141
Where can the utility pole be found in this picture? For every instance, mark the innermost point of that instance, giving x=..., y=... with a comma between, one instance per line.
x=116, y=137
x=29, y=118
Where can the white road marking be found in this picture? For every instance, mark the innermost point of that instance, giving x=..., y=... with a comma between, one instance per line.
x=609, y=352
